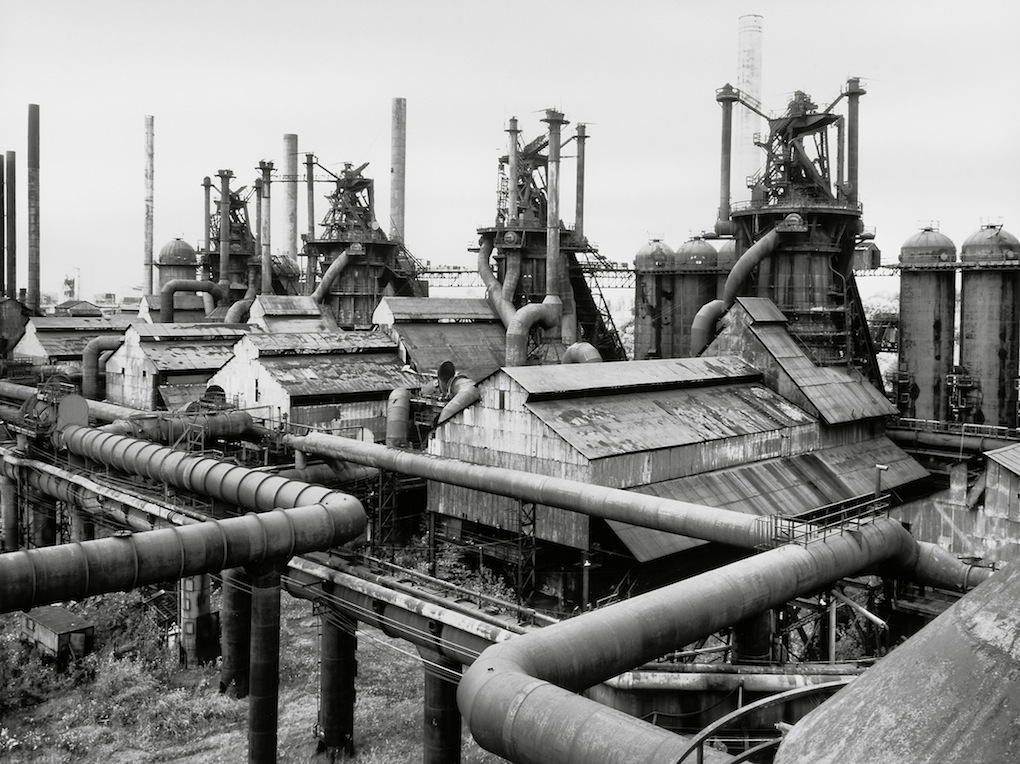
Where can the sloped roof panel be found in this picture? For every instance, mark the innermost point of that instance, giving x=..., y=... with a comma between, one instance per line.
x=329, y=375
x=611, y=425
x=1008, y=457
x=785, y=486
x=419, y=309
x=185, y=331
x=476, y=350
x=178, y=396
x=318, y=343
x=762, y=310
x=188, y=356
x=590, y=378
x=82, y=323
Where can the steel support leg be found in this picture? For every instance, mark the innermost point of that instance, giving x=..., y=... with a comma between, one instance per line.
x=441, y=736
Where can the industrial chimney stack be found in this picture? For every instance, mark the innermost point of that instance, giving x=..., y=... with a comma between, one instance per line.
x=33, y=296
x=398, y=166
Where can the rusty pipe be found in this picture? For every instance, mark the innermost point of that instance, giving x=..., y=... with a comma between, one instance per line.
x=465, y=392
x=493, y=289
x=75, y=571
x=546, y=314
x=582, y=352
x=519, y=699
x=331, y=275
x=398, y=414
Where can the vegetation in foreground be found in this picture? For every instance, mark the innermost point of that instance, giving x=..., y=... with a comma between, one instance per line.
x=129, y=702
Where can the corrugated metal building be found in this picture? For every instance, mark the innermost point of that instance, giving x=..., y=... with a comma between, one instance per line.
x=713, y=430
x=330, y=381
x=166, y=366
x=430, y=331
x=62, y=340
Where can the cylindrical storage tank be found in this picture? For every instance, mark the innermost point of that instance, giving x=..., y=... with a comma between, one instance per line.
x=655, y=267
x=177, y=260
x=927, y=324
x=693, y=287
x=989, y=340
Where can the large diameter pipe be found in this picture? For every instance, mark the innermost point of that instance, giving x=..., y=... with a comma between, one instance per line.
x=33, y=296
x=493, y=289
x=519, y=698
x=928, y=563
x=548, y=314
x=332, y=273
x=398, y=167
x=75, y=571
x=147, y=269
x=12, y=226
x=464, y=393
x=290, y=193
x=90, y=362
x=170, y=288
x=264, y=663
x=398, y=415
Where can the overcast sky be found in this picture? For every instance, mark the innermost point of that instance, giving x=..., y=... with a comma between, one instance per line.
x=225, y=80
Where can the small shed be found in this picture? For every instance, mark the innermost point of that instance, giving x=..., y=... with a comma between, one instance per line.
x=57, y=632
x=166, y=366
x=336, y=381
x=77, y=308
x=432, y=330
x=49, y=339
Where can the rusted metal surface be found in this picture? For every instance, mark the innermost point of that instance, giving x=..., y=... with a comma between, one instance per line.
x=187, y=356
x=476, y=350
x=317, y=343
x=282, y=305
x=394, y=310
x=376, y=373
x=611, y=425
x=945, y=695
x=669, y=372
x=837, y=395
x=179, y=331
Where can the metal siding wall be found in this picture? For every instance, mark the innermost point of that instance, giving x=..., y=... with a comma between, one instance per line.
x=370, y=414
x=989, y=343
x=926, y=327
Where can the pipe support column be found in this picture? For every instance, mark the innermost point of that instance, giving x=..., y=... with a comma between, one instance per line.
x=442, y=721
x=264, y=663
x=338, y=668
x=235, y=631
x=9, y=511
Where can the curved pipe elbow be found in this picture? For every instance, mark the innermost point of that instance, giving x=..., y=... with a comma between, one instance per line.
x=703, y=326
x=330, y=276
x=493, y=289
x=545, y=314
x=170, y=288
x=466, y=393
x=90, y=363
x=582, y=352
x=238, y=312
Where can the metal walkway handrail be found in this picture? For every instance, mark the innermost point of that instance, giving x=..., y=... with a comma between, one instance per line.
x=697, y=744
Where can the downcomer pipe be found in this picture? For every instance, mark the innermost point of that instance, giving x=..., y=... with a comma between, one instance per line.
x=703, y=326
x=493, y=290
x=519, y=698
x=582, y=352
x=332, y=274
x=398, y=414
x=90, y=363
x=75, y=571
x=170, y=288
x=546, y=314
x=465, y=392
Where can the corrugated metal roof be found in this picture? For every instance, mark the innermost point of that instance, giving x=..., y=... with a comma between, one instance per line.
x=296, y=324
x=178, y=396
x=67, y=344
x=172, y=356
x=839, y=396
x=611, y=425
x=476, y=350
x=416, y=309
x=183, y=331
x=785, y=486
x=762, y=310
x=339, y=374
x=95, y=325
x=665, y=373
x=288, y=305
x=317, y=343
x=1008, y=457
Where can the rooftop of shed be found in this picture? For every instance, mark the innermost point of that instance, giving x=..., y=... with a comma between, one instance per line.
x=393, y=310
x=339, y=374
x=320, y=343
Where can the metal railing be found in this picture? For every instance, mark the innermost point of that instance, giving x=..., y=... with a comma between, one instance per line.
x=829, y=520
x=957, y=428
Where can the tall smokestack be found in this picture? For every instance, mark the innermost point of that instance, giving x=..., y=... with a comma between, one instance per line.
x=749, y=61
x=12, y=227
x=726, y=96
x=513, y=169
x=33, y=296
x=854, y=91
x=225, y=176
x=3, y=272
x=149, y=187
x=398, y=167
x=579, y=196
x=290, y=194
x=557, y=279
x=310, y=187
x=266, y=168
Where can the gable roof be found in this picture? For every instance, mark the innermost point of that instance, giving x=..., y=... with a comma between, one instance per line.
x=392, y=310
x=477, y=350
x=320, y=343
x=373, y=375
